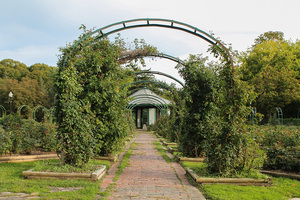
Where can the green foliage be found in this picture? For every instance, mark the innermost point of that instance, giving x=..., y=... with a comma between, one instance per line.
x=270, y=36
x=11, y=69
x=5, y=141
x=281, y=144
x=162, y=151
x=200, y=98
x=90, y=107
x=271, y=66
x=31, y=86
x=25, y=136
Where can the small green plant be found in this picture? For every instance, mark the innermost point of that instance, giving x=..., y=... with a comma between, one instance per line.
x=125, y=162
x=162, y=151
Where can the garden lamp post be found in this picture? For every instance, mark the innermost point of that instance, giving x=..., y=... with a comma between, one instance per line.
x=10, y=96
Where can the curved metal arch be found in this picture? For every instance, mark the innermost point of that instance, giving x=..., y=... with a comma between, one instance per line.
x=153, y=100
x=3, y=111
x=147, y=22
x=253, y=114
x=21, y=107
x=149, y=97
x=35, y=109
x=160, y=55
x=298, y=117
x=160, y=73
x=135, y=105
x=279, y=116
x=139, y=88
x=145, y=81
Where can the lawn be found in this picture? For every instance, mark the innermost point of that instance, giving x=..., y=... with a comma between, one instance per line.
x=281, y=189
x=11, y=180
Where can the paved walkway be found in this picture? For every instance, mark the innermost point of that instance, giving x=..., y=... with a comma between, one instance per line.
x=149, y=176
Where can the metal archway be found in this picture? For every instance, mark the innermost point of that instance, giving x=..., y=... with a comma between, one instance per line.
x=152, y=98
x=21, y=107
x=160, y=55
x=279, y=115
x=145, y=81
x=36, y=108
x=253, y=114
x=160, y=73
x=143, y=87
x=149, y=96
x=151, y=22
x=3, y=111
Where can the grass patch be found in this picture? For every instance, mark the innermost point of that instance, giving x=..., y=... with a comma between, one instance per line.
x=11, y=180
x=200, y=168
x=162, y=151
x=54, y=166
x=283, y=188
x=125, y=162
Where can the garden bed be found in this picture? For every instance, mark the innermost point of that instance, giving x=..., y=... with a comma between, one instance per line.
x=109, y=158
x=27, y=158
x=229, y=181
x=281, y=174
x=94, y=176
x=181, y=159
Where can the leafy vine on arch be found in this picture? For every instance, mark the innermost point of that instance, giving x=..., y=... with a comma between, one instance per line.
x=90, y=100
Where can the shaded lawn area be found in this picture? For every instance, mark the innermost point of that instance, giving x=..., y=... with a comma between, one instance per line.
x=281, y=189
x=11, y=180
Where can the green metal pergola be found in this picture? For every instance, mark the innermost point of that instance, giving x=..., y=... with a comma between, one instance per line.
x=151, y=22
x=3, y=111
x=145, y=81
x=159, y=73
x=156, y=101
x=160, y=55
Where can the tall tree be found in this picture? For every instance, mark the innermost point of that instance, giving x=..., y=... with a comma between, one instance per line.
x=272, y=67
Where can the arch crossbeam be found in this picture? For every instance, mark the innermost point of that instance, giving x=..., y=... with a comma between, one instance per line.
x=161, y=55
x=153, y=22
x=146, y=81
x=159, y=73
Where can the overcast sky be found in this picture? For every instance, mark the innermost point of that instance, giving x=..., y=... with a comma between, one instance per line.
x=31, y=31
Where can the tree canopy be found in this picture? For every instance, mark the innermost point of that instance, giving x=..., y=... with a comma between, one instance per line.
x=272, y=67
x=30, y=86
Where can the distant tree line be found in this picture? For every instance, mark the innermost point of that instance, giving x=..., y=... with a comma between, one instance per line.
x=271, y=66
x=30, y=86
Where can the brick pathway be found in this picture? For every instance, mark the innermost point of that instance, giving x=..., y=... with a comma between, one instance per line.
x=149, y=176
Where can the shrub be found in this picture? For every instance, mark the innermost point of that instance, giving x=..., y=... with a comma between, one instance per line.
x=23, y=135
x=5, y=141
x=281, y=144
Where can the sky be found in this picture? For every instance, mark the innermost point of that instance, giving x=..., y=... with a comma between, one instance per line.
x=31, y=31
